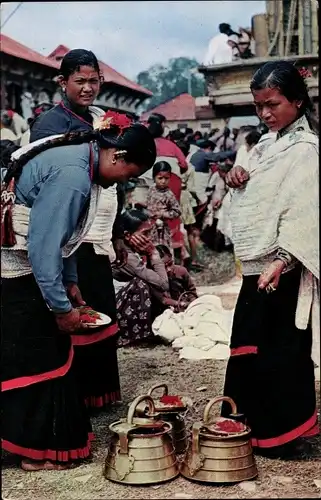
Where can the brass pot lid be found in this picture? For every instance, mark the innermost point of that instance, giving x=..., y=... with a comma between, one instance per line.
x=170, y=403
x=169, y=408
x=131, y=423
x=223, y=427
x=151, y=430
x=121, y=426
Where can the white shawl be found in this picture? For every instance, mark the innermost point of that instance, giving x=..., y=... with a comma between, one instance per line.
x=100, y=233
x=279, y=207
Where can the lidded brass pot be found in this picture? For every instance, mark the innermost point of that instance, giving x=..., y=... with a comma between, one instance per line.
x=141, y=449
x=218, y=456
x=172, y=413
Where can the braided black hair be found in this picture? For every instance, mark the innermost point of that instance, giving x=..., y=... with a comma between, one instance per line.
x=136, y=140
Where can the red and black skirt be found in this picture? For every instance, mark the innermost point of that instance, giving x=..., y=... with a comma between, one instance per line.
x=270, y=373
x=96, y=352
x=43, y=414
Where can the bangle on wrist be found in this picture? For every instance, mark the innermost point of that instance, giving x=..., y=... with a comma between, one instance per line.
x=285, y=256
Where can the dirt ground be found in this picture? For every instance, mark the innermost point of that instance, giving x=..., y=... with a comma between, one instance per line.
x=140, y=368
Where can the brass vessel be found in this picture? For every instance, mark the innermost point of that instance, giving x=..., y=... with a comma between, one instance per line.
x=141, y=449
x=218, y=457
x=171, y=414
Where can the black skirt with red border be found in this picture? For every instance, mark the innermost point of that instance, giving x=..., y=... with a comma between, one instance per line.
x=96, y=352
x=43, y=414
x=270, y=373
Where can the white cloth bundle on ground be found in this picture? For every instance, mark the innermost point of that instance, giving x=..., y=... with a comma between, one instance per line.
x=202, y=331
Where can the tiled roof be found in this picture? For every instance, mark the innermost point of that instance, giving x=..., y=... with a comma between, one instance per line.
x=180, y=108
x=16, y=49
x=59, y=52
x=110, y=75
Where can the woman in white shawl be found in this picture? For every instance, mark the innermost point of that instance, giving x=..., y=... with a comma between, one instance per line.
x=274, y=215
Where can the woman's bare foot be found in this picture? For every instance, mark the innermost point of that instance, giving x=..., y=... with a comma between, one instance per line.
x=33, y=466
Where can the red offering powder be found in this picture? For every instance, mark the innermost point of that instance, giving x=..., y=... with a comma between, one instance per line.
x=88, y=315
x=171, y=400
x=85, y=318
x=228, y=425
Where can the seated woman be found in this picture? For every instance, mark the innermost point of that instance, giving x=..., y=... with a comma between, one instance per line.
x=145, y=272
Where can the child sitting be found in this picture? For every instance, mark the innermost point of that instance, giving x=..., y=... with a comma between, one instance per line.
x=180, y=282
x=162, y=204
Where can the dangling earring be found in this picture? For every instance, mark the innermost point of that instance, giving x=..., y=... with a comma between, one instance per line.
x=64, y=89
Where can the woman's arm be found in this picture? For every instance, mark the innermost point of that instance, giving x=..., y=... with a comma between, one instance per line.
x=189, y=283
x=69, y=272
x=53, y=218
x=157, y=276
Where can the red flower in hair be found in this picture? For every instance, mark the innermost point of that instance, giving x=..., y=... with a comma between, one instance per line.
x=114, y=119
x=305, y=73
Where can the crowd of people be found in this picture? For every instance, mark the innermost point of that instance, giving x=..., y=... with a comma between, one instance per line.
x=193, y=167
x=95, y=197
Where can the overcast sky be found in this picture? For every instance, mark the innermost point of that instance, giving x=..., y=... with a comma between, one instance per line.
x=129, y=36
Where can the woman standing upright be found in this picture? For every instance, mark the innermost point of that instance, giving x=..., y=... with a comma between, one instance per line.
x=95, y=355
x=275, y=230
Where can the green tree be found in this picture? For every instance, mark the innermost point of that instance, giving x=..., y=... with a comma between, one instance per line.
x=179, y=76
